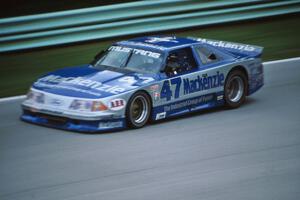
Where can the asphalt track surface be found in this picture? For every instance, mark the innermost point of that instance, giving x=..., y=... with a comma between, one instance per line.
x=248, y=153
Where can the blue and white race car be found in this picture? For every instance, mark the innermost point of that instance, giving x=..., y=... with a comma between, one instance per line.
x=142, y=79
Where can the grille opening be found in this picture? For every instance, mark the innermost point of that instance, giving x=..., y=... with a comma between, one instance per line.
x=51, y=119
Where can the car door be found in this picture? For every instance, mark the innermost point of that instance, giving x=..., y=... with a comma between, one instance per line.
x=213, y=67
x=187, y=84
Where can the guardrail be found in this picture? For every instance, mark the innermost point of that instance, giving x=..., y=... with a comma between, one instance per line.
x=130, y=18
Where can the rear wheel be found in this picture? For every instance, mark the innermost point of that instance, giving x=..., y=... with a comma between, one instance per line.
x=138, y=110
x=235, y=89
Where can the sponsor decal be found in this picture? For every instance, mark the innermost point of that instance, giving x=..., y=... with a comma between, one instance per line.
x=190, y=102
x=220, y=97
x=230, y=45
x=38, y=84
x=135, y=51
x=160, y=115
x=116, y=124
x=146, y=45
x=190, y=85
x=155, y=91
x=161, y=39
x=154, y=87
x=120, y=49
x=156, y=96
x=203, y=83
x=48, y=81
x=117, y=104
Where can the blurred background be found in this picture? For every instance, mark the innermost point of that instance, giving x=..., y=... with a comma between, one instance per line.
x=39, y=36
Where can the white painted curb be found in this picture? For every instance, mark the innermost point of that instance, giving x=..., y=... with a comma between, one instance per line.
x=281, y=61
x=14, y=98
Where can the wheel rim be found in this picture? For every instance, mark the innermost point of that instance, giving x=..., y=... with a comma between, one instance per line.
x=235, y=89
x=139, y=109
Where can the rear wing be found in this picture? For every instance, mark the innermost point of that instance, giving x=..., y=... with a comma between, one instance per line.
x=242, y=50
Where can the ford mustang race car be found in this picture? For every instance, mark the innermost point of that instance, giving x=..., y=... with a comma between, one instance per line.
x=142, y=79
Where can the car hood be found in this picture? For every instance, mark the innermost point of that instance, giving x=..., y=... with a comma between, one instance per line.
x=88, y=82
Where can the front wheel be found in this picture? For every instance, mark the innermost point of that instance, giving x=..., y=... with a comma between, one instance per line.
x=138, y=110
x=235, y=89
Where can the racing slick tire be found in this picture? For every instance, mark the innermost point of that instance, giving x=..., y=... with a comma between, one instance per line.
x=138, y=110
x=235, y=89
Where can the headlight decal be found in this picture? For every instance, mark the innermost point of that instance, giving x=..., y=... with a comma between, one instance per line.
x=98, y=106
x=85, y=105
x=36, y=97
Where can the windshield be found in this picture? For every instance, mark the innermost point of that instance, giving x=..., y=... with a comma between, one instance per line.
x=131, y=58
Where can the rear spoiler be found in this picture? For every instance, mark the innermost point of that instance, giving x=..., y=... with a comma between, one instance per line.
x=242, y=50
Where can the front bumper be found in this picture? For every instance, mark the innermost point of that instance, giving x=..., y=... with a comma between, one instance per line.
x=66, y=123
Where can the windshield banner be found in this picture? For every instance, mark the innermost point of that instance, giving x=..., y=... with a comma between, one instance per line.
x=135, y=51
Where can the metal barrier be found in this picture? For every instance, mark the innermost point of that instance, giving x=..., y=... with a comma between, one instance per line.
x=130, y=18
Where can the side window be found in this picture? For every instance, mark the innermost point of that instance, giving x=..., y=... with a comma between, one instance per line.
x=180, y=61
x=206, y=55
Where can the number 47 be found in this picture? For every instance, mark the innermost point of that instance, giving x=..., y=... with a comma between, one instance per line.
x=166, y=91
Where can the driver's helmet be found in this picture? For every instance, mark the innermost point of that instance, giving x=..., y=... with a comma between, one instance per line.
x=173, y=57
x=173, y=65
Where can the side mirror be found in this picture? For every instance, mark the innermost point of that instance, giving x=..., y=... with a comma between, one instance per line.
x=97, y=57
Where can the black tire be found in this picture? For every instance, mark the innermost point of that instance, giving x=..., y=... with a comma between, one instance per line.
x=235, y=89
x=138, y=110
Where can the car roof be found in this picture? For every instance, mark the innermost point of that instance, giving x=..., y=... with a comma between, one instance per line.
x=163, y=43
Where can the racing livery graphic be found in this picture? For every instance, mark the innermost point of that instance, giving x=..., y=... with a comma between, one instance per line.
x=142, y=79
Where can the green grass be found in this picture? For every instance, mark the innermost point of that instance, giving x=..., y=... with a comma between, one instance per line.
x=279, y=36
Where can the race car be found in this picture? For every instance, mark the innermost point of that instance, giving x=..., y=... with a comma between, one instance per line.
x=143, y=79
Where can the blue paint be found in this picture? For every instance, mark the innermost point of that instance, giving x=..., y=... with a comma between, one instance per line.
x=88, y=82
